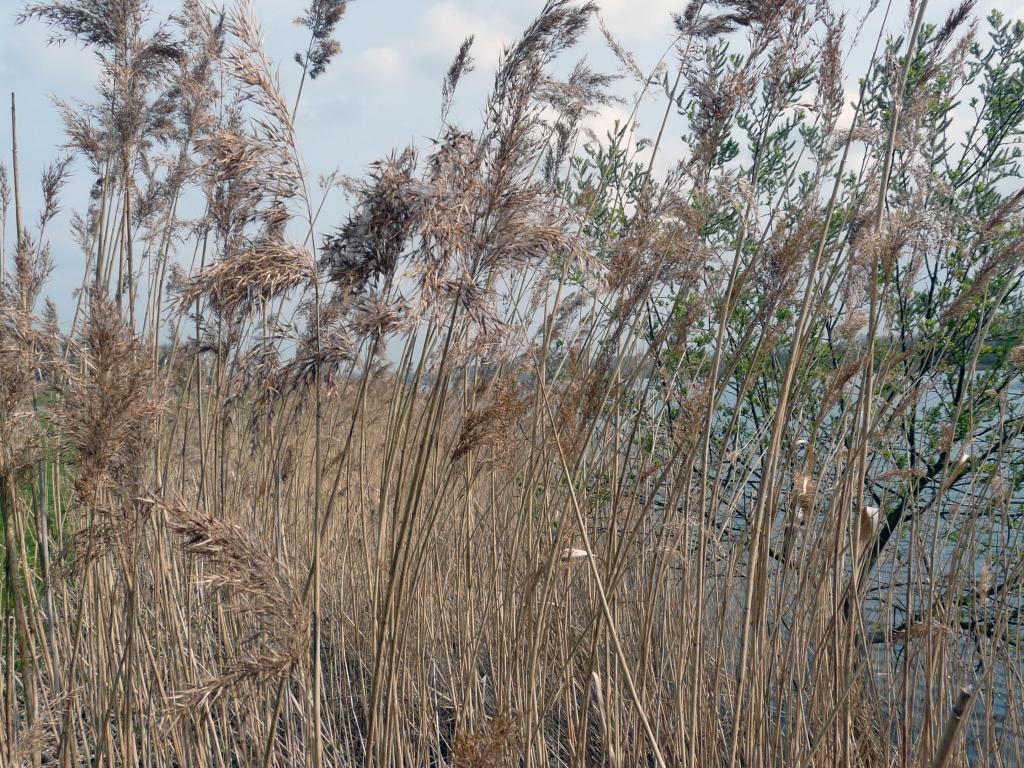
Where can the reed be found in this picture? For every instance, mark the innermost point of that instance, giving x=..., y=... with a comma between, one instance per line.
x=542, y=456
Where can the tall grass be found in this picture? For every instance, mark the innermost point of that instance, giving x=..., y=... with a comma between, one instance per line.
x=539, y=457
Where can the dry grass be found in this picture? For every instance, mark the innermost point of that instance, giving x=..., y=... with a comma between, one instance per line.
x=537, y=459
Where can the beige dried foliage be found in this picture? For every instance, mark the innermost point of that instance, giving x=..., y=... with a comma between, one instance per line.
x=328, y=506
x=250, y=277
x=109, y=407
x=492, y=425
x=491, y=746
x=258, y=588
x=805, y=489
x=1016, y=356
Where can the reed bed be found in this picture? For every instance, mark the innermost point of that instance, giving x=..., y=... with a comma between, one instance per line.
x=541, y=456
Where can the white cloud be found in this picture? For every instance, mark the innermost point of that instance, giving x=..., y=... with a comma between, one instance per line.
x=848, y=110
x=447, y=25
x=382, y=63
x=26, y=55
x=1009, y=9
x=632, y=20
x=604, y=121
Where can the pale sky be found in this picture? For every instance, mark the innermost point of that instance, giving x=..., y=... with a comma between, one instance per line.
x=382, y=92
